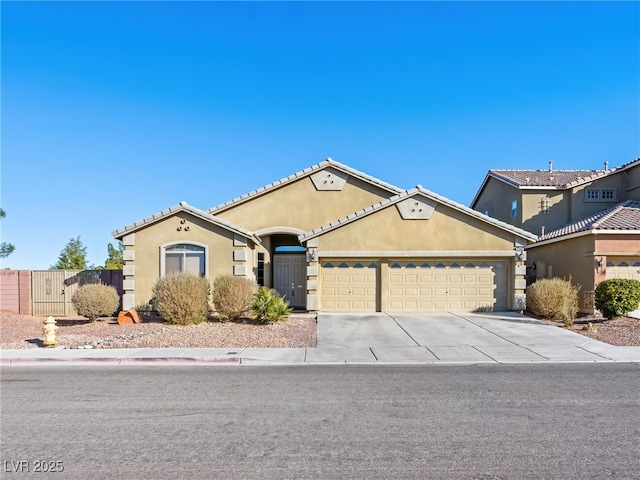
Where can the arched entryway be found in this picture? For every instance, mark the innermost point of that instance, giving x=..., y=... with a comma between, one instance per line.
x=285, y=267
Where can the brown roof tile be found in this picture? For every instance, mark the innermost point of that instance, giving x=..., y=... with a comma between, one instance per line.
x=621, y=217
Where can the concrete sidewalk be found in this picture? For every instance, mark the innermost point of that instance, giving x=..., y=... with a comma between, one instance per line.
x=379, y=338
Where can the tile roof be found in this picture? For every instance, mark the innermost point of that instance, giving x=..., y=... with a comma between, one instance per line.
x=624, y=217
x=407, y=194
x=184, y=207
x=329, y=162
x=555, y=178
x=549, y=179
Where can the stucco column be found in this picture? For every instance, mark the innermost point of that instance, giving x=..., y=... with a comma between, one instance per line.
x=383, y=285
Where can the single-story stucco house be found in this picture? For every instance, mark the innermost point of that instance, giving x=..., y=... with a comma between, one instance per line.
x=352, y=243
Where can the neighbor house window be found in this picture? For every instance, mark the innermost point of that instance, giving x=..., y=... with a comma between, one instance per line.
x=514, y=209
x=601, y=194
x=544, y=205
x=183, y=258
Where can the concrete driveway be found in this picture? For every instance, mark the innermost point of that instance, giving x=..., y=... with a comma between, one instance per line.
x=455, y=337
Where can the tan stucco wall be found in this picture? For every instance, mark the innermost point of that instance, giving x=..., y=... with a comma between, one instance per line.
x=632, y=186
x=570, y=258
x=447, y=229
x=576, y=258
x=496, y=199
x=300, y=205
x=618, y=245
x=148, y=240
x=533, y=218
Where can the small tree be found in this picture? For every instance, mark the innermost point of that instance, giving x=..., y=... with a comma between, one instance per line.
x=73, y=256
x=5, y=248
x=617, y=296
x=95, y=300
x=114, y=259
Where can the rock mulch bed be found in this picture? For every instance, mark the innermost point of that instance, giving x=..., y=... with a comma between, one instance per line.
x=21, y=331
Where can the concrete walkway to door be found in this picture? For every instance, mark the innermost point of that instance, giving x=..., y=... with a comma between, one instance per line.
x=503, y=337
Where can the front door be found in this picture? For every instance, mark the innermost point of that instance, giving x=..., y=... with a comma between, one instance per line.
x=290, y=275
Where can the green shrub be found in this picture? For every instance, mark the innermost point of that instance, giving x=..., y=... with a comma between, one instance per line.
x=268, y=306
x=182, y=299
x=95, y=300
x=232, y=296
x=617, y=296
x=553, y=298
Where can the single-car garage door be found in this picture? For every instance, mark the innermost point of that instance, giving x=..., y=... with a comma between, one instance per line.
x=447, y=286
x=349, y=286
x=623, y=268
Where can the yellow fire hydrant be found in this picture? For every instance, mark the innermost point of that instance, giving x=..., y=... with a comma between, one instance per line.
x=50, y=328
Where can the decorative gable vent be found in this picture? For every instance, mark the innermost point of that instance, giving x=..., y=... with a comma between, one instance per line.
x=329, y=179
x=416, y=208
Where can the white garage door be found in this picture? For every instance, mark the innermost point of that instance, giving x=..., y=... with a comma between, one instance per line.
x=623, y=268
x=447, y=286
x=348, y=286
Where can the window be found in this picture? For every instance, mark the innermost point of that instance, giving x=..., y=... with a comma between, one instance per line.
x=544, y=205
x=592, y=194
x=608, y=194
x=514, y=209
x=601, y=194
x=260, y=269
x=184, y=258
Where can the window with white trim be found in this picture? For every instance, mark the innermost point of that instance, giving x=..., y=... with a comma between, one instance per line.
x=601, y=194
x=514, y=209
x=184, y=258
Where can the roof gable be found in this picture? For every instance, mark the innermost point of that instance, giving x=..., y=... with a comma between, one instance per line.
x=184, y=207
x=328, y=163
x=431, y=198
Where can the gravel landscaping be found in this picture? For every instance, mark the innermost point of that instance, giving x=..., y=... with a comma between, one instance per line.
x=299, y=330
x=21, y=332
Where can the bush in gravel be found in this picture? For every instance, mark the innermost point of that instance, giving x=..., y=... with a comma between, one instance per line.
x=268, y=306
x=95, y=300
x=553, y=298
x=232, y=296
x=617, y=296
x=182, y=299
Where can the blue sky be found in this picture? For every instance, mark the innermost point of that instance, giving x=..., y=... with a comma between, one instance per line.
x=112, y=111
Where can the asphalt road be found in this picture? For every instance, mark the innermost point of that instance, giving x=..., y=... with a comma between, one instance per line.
x=489, y=422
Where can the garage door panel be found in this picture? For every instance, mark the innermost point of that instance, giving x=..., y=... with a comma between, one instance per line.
x=623, y=267
x=349, y=286
x=433, y=286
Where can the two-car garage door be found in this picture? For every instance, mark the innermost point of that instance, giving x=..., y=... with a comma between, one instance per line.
x=414, y=286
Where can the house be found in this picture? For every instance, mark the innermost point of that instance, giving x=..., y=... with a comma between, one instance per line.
x=588, y=221
x=332, y=238
x=544, y=200
x=600, y=246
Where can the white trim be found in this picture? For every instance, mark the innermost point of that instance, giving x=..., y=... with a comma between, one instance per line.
x=277, y=230
x=184, y=242
x=416, y=253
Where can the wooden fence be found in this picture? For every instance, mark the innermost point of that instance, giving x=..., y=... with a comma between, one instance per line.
x=49, y=292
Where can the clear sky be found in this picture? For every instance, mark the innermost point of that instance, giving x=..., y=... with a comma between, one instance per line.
x=112, y=111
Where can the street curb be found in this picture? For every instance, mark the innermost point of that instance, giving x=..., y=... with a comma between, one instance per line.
x=118, y=361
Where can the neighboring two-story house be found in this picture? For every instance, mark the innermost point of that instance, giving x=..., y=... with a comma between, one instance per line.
x=588, y=221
